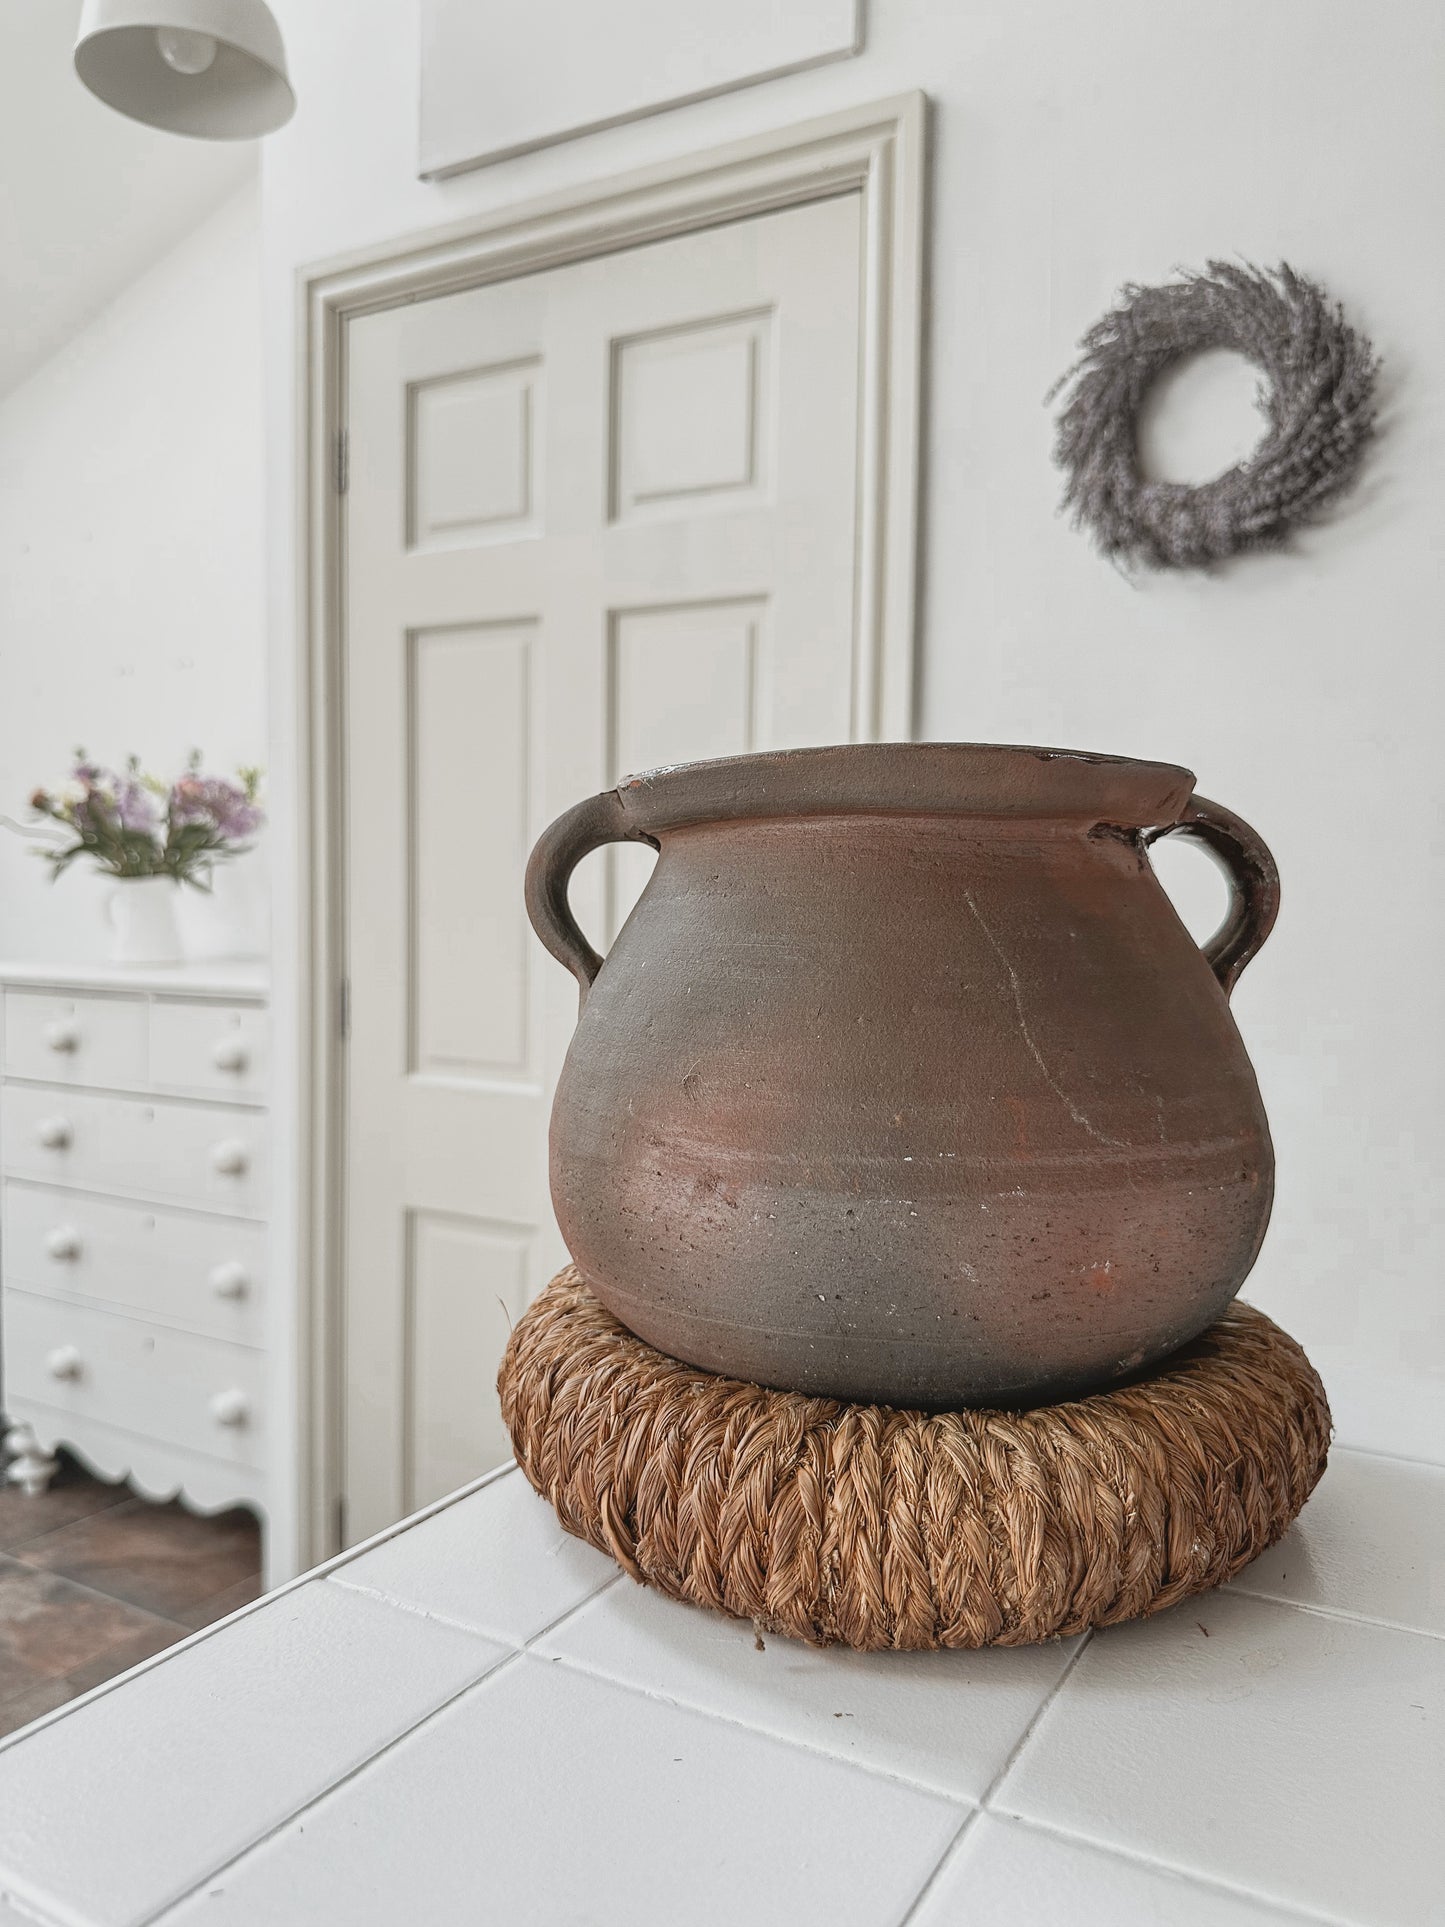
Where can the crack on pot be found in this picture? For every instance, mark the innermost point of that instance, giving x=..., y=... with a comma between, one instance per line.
x=1080, y=1118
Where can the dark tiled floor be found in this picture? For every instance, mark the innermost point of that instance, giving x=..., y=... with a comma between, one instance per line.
x=93, y=1580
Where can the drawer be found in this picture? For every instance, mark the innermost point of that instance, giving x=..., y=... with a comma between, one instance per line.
x=75, y=1039
x=207, y=1274
x=200, y=1393
x=208, y=1050
x=182, y=1153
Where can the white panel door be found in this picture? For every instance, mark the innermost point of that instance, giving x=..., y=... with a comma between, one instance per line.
x=598, y=518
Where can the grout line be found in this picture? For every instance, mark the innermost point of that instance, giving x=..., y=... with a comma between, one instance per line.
x=495, y=1634
x=124, y=1497
x=267, y=1599
x=115, y=1598
x=77, y=1692
x=948, y=1854
x=1085, y=1641
x=1235, y=1589
x=18, y=1551
x=570, y=1612
x=167, y=1906
x=413, y=1609
x=61, y=1608
x=749, y=1725
x=211, y=1599
x=27, y=1909
x=951, y=1851
x=23, y=1692
x=510, y=1653
x=1190, y=1876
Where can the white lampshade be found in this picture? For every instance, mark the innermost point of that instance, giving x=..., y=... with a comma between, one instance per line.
x=212, y=68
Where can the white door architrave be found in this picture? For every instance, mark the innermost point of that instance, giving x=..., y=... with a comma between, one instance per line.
x=876, y=151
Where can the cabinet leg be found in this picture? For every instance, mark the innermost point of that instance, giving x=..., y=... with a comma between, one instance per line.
x=31, y=1468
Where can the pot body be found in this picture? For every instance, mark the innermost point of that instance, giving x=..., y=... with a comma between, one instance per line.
x=919, y=1106
x=144, y=928
x=227, y=920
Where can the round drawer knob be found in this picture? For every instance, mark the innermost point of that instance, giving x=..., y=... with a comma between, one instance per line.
x=230, y=1054
x=63, y=1241
x=54, y=1133
x=230, y=1280
x=63, y=1034
x=63, y=1362
x=231, y=1407
x=230, y=1157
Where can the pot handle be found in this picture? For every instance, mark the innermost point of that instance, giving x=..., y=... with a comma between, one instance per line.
x=559, y=849
x=1244, y=857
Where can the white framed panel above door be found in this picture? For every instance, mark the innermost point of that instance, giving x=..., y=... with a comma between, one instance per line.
x=502, y=81
x=636, y=479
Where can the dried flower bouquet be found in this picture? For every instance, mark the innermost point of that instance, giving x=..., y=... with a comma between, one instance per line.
x=136, y=825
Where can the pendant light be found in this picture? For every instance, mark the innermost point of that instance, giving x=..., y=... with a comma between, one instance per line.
x=212, y=68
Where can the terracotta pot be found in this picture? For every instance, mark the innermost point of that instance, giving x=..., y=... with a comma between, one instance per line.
x=904, y=1081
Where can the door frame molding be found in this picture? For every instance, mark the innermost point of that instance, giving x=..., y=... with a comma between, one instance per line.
x=878, y=150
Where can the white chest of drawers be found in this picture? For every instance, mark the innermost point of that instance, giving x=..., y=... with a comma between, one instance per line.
x=133, y=1250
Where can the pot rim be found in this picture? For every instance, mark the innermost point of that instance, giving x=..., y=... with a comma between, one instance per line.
x=986, y=780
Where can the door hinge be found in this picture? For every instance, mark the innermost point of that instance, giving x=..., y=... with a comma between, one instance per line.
x=342, y=451
x=341, y=1522
x=343, y=1009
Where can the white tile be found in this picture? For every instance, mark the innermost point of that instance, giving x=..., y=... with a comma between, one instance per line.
x=1296, y=1755
x=1370, y=1541
x=945, y=1720
x=126, y=1803
x=1005, y=1871
x=11, y=1916
x=1398, y=1412
x=497, y=1561
x=548, y=1797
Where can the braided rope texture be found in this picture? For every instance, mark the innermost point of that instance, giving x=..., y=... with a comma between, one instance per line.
x=863, y=1526
x=1319, y=404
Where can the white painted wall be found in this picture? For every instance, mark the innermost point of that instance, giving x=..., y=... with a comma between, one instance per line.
x=1077, y=146
x=131, y=574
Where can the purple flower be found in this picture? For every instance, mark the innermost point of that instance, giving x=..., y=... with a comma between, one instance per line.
x=132, y=826
x=223, y=806
x=136, y=807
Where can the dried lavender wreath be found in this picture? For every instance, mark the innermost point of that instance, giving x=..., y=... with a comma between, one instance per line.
x=1319, y=405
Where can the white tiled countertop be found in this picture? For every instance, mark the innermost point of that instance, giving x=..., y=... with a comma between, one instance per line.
x=478, y=1720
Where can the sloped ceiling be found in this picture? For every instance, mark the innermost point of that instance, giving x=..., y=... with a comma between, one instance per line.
x=88, y=199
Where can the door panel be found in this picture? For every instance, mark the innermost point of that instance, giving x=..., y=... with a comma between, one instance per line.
x=598, y=518
x=692, y=427
x=472, y=456
x=467, y=706
x=684, y=684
